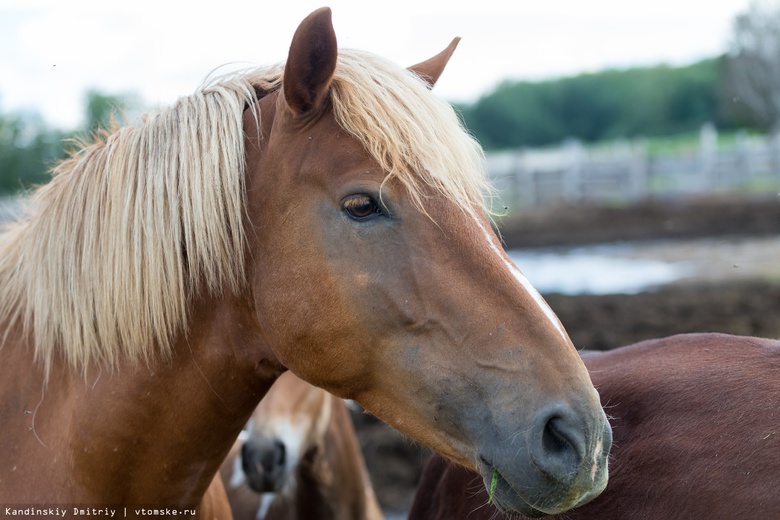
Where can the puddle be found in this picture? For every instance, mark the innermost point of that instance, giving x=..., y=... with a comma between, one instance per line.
x=632, y=267
x=586, y=272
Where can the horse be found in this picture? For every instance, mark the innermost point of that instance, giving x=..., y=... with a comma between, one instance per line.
x=299, y=458
x=696, y=422
x=329, y=216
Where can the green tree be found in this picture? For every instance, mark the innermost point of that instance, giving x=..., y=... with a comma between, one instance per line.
x=29, y=149
x=753, y=68
x=657, y=100
x=100, y=108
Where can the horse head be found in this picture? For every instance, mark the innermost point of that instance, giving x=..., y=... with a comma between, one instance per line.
x=374, y=273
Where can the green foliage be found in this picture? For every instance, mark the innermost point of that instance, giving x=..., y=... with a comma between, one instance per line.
x=658, y=100
x=101, y=108
x=28, y=149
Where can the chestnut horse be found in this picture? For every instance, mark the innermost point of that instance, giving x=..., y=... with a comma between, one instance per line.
x=326, y=217
x=696, y=420
x=299, y=451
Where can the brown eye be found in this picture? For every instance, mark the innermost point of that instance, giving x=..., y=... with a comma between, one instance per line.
x=362, y=207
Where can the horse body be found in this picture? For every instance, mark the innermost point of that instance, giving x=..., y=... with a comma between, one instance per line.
x=325, y=217
x=696, y=420
x=300, y=458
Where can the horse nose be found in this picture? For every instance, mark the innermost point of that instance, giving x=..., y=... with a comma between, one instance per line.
x=566, y=441
x=561, y=446
x=264, y=464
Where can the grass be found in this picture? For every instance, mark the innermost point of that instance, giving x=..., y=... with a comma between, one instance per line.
x=493, y=482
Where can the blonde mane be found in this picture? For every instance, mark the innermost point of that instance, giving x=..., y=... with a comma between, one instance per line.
x=413, y=135
x=103, y=266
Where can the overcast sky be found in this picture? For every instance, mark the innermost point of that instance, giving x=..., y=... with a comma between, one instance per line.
x=52, y=51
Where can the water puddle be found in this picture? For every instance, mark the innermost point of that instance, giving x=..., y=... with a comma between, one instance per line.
x=632, y=267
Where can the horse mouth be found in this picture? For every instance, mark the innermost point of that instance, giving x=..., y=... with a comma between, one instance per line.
x=502, y=495
x=509, y=500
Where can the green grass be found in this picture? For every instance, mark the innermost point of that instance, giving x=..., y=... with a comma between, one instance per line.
x=493, y=483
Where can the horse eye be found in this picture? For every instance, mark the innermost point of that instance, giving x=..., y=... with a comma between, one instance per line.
x=361, y=207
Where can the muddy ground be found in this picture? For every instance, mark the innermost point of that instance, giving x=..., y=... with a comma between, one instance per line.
x=674, y=219
x=609, y=321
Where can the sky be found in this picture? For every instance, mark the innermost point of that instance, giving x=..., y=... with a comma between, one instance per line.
x=53, y=51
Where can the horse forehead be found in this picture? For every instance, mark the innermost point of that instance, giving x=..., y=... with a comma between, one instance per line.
x=315, y=146
x=328, y=144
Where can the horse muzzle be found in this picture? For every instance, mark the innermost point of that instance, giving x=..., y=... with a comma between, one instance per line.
x=562, y=465
x=264, y=464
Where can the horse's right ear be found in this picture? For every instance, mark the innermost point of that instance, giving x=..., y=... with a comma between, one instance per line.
x=311, y=62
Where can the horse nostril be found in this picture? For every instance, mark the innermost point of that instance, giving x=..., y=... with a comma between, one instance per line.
x=247, y=463
x=562, y=448
x=554, y=439
x=280, y=454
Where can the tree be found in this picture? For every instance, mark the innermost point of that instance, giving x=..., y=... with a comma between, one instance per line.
x=29, y=149
x=753, y=71
x=659, y=100
x=101, y=107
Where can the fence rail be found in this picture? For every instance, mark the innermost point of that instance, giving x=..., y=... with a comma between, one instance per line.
x=627, y=172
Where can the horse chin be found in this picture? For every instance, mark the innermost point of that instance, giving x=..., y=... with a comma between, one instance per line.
x=516, y=508
x=510, y=501
x=503, y=496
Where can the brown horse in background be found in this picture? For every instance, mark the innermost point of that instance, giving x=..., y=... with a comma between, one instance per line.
x=696, y=420
x=327, y=216
x=299, y=458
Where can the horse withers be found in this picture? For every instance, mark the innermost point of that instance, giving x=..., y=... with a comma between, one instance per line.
x=299, y=457
x=696, y=420
x=326, y=216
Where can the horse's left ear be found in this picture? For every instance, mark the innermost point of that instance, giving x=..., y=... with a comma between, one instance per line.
x=431, y=69
x=311, y=62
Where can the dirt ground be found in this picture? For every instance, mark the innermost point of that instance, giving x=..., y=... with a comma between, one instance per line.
x=675, y=219
x=602, y=322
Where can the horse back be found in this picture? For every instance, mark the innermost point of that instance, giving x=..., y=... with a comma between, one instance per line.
x=696, y=421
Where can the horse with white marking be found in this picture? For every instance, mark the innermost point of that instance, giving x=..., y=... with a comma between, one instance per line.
x=299, y=458
x=325, y=216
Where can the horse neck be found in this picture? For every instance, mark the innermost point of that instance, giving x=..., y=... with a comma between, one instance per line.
x=126, y=431
x=220, y=372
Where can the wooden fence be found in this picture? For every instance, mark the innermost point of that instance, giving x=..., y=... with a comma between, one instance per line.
x=626, y=171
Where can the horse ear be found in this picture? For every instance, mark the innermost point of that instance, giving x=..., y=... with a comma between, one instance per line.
x=311, y=62
x=431, y=69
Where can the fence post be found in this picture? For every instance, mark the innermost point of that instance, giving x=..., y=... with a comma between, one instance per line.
x=743, y=154
x=524, y=184
x=708, y=147
x=639, y=187
x=573, y=188
x=774, y=147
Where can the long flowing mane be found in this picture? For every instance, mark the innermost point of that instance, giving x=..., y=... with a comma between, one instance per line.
x=111, y=251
